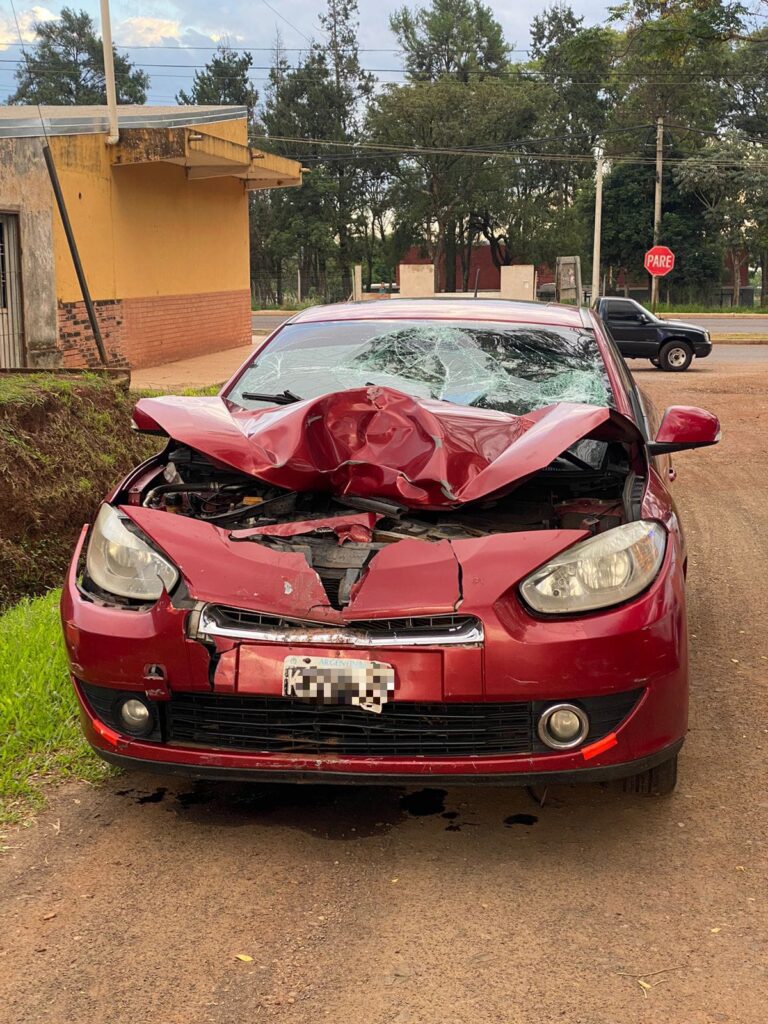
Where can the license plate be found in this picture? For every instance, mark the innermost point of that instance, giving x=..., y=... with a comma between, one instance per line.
x=365, y=684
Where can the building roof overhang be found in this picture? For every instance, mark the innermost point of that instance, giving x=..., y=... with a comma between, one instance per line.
x=174, y=134
x=205, y=156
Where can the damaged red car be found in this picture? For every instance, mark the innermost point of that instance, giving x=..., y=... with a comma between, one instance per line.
x=408, y=541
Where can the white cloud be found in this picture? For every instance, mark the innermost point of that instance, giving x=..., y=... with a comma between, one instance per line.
x=146, y=31
x=9, y=33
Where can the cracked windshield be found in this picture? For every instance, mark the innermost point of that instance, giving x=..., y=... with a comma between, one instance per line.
x=514, y=368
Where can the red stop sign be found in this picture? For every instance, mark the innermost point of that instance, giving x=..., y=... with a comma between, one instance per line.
x=659, y=261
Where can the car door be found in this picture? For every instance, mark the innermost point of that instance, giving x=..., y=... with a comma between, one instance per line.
x=631, y=328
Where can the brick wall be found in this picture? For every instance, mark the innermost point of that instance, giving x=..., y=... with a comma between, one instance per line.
x=161, y=329
x=76, y=340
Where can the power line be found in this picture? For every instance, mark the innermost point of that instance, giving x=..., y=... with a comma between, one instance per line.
x=289, y=23
x=392, y=150
x=526, y=74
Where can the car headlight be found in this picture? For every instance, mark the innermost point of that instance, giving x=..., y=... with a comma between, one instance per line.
x=599, y=572
x=121, y=562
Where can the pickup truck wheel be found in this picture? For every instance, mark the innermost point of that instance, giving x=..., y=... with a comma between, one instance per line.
x=675, y=356
x=655, y=362
x=658, y=781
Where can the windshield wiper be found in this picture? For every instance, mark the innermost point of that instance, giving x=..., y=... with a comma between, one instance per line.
x=284, y=398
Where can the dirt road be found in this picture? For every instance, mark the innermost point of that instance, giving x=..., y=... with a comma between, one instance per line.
x=129, y=903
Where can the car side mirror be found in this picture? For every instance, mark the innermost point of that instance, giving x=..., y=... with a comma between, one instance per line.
x=643, y=318
x=683, y=427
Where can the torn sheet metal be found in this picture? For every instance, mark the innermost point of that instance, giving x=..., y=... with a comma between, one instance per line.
x=223, y=571
x=380, y=442
x=357, y=528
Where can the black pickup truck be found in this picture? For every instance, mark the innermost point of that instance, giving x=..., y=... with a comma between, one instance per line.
x=669, y=344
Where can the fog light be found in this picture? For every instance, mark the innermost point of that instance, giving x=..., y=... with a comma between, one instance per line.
x=135, y=715
x=563, y=726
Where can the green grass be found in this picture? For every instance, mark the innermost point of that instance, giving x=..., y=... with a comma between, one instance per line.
x=701, y=309
x=211, y=391
x=39, y=730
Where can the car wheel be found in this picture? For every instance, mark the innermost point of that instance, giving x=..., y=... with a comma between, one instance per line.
x=655, y=362
x=658, y=781
x=675, y=356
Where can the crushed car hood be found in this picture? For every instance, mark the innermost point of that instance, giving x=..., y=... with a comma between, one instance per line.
x=379, y=442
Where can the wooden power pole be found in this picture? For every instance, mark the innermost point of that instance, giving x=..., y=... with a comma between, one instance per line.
x=657, y=204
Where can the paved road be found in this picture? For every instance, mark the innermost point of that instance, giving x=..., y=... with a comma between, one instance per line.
x=130, y=901
x=723, y=356
x=756, y=325
x=268, y=321
x=729, y=325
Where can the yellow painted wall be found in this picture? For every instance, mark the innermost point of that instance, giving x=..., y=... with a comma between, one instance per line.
x=145, y=230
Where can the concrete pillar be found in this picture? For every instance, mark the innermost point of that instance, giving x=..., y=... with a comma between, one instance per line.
x=357, y=283
x=518, y=282
x=417, y=281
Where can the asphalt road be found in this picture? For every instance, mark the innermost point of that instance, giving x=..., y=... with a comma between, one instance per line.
x=131, y=901
x=757, y=325
x=268, y=321
x=723, y=356
x=729, y=324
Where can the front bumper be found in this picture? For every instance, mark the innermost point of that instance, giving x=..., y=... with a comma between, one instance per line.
x=604, y=773
x=702, y=349
x=640, y=646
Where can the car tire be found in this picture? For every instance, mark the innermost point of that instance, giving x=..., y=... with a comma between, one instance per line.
x=658, y=781
x=655, y=362
x=675, y=356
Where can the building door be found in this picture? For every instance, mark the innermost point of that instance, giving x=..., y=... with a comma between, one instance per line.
x=12, y=353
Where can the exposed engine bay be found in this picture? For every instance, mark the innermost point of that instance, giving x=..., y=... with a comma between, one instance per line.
x=589, y=487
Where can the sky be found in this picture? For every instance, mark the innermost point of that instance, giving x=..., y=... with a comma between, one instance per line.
x=170, y=37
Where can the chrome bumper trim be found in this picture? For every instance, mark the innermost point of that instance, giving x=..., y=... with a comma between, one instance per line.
x=467, y=631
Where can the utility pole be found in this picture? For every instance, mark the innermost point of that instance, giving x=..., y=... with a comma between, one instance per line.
x=598, y=228
x=657, y=204
x=109, y=74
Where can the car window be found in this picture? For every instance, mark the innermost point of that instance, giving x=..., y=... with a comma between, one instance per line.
x=509, y=367
x=623, y=309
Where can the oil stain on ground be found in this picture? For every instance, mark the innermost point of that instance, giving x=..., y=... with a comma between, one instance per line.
x=325, y=812
x=520, y=819
x=424, y=802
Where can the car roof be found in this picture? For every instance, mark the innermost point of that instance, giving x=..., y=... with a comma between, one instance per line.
x=544, y=313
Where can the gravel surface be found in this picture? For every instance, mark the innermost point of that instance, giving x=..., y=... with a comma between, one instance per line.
x=132, y=901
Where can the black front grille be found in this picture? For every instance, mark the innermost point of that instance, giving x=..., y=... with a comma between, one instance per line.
x=286, y=725
x=245, y=619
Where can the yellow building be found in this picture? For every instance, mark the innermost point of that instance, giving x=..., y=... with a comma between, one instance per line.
x=161, y=224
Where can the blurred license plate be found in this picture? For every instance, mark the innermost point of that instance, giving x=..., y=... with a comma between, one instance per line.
x=366, y=684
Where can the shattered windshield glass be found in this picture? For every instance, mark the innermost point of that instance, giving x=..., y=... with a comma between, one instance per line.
x=513, y=368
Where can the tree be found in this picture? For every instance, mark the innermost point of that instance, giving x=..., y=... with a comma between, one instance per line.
x=446, y=188
x=749, y=73
x=459, y=41
x=730, y=179
x=455, y=38
x=574, y=65
x=323, y=98
x=224, y=81
x=628, y=231
x=672, y=63
x=67, y=66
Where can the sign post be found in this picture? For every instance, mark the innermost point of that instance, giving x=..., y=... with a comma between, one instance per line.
x=659, y=260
